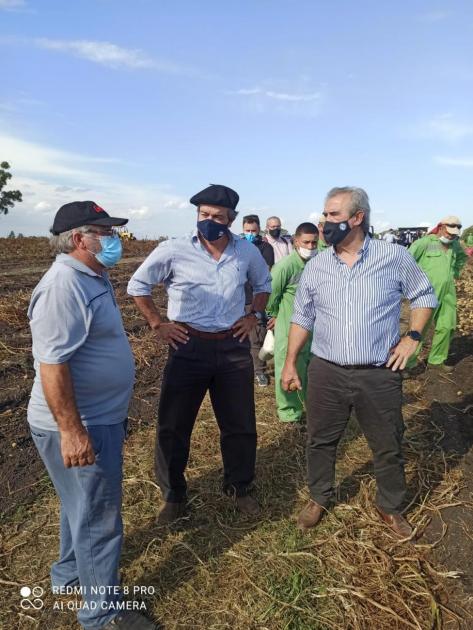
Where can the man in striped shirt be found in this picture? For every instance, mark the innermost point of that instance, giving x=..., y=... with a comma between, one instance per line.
x=208, y=334
x=350, y=297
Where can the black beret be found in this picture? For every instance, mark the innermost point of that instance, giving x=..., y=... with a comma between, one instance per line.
x=216, y=195
x=78, y=213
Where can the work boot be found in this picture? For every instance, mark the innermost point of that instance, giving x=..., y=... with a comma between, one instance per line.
x=170, y=512
x=130, y=620
x=248, y=505
x=397, y=523
x=440, y=367
x=310, y=515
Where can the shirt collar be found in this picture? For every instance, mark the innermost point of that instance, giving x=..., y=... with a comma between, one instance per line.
x=362, y=251
x=65, y=259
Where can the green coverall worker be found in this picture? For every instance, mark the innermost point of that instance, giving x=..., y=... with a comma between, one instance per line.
x=285, y=276
x=442, y=265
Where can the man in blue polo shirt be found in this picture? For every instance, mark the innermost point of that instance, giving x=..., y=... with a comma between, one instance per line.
x=79, y=405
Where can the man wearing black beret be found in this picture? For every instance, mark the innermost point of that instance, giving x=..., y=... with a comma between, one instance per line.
x=209, y=348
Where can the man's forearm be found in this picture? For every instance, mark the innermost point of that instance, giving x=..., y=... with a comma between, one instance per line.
x=59, y=393
x=148, y=309
x=298, y=336
x=259, y=301
x=419, y=318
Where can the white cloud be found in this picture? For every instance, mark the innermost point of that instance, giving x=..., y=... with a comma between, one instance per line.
x=139, y=213
x=434, y=16
x=446, y=128
x=10, y=5
x=293, y=97
x=49, y=178
x=103, y=53
x=453, y=161
x=42, y=206
x=113, y=56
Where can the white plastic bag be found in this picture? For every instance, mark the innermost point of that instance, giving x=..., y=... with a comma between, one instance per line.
x=267, y=349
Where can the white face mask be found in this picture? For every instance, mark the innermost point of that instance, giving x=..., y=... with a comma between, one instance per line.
x=306, y=254
x=445, y=240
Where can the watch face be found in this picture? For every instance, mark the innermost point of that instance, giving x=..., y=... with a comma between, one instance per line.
x=416, y=336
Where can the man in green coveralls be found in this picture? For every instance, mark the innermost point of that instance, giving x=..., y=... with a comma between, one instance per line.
x=441, y=257
x=321, y=244
x=285, y=279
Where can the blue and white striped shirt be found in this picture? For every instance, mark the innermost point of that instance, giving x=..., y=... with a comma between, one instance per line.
x=354, y=313
x=205, y=293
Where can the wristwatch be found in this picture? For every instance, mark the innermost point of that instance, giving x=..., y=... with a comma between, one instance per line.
x=257, y=314
x=415, y=335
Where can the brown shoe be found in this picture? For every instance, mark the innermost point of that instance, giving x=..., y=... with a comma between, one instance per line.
x=310, y=515
x=170, y=512
x=397, y=523
x=248, y=505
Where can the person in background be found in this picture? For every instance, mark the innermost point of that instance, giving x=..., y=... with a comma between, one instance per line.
x=79, y=405
x=285, y=277
x=349, y=297
x=251, y=232
x=441, y=257
x=209, y=349
x=389, y=237
x=321, y=243
x=281, y=243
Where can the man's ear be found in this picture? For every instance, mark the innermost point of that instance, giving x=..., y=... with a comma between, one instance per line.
x=78, y=240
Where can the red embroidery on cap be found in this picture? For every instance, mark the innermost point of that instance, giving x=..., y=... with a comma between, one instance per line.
x=98, y=208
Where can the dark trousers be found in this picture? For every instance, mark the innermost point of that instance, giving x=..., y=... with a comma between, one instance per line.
x=257, y=336
x=223, y=368
x=376, y=397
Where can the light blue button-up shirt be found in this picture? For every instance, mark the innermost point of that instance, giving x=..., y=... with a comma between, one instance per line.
x=354, y=313
x=205, y=293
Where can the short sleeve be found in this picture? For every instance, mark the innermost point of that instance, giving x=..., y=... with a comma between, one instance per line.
x=155, y=269
x=60, y=321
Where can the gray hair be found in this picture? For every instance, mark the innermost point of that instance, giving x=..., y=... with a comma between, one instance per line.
x=359, y=201
x=272, y=219
x=62, y=243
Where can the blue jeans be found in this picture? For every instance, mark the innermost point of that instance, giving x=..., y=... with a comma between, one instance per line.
x=91, y=522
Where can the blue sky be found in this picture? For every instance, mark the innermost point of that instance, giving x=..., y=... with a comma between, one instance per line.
x=138, y=105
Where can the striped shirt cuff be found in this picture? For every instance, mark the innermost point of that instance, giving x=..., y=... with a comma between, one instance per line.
x=424, y=301
x=303, y=322
x=138, y=289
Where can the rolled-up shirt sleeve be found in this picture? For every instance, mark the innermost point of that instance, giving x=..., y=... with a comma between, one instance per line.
x=157, y=268
x=304, y=305
x=415, y=285
x=258, y=272
x=60, y=321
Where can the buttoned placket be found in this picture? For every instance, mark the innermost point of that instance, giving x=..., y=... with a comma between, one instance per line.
x=349, y=275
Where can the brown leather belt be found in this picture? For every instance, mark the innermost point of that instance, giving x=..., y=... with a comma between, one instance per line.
x=222, y=334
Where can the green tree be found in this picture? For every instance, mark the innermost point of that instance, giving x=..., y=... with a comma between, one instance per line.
x=466, y=232
x=8, y=198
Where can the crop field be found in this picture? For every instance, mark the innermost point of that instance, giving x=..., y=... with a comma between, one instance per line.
x=217, y=569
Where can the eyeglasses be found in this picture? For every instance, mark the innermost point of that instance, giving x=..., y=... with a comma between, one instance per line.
x=111, y=232
x=454, y=225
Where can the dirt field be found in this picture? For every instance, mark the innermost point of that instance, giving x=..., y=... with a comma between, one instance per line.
x=219, y=570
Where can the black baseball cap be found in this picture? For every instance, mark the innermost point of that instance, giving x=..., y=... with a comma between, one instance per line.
x=216, y=195
x=78, y=213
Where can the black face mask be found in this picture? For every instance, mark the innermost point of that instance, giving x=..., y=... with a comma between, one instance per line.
x=275, y=233
x=334, y=233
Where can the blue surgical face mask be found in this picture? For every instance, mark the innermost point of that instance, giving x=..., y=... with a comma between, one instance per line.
x=250, y=237
x=111, y=251
x=211, y=230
